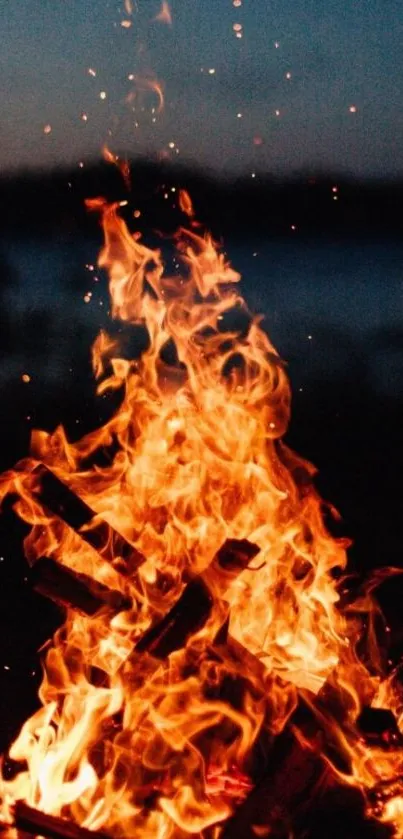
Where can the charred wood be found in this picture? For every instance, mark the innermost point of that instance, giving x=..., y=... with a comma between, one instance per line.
x=191, y=611
x=35, y=823
x=288, y=785
x=188, y=615
x=54, y=495
x=71, y=589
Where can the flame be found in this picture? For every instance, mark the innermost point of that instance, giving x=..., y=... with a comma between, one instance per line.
x=185, y=203
x=122, y=165
x=162, y=747
x=144, y=85
x=164, y=15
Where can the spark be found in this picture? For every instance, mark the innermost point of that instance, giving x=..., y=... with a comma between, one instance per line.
x=277, y=113
x=84, y=117
x=237, y=3
x=353, y=109
x=185, y=203
x=128, y=7
x=164, y=16
x=335, y=188
x=47, y=129
x=126, y=24
x=137, y=214
x=102, y=94
x=253, y=175
x=239, y=116
x=171, y=145
x=288, y=75
x=237, y=27
x=293, y=228
x=92, y=72
x=26, y=378
x=277, y=45
x=211, y=71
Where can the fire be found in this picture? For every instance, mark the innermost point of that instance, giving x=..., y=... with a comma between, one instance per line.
x=185, y=203
x=202, y=519
x=164, y=15
x=143, y=85
x=122, y=165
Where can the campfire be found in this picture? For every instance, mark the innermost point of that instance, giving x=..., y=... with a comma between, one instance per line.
x=214, y=675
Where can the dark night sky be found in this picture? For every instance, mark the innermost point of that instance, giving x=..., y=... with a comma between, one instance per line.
x=340, y=53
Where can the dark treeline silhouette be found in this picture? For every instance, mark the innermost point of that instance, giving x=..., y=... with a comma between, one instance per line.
x=55, y=200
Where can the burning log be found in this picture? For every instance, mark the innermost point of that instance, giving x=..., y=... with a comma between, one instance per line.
x=34, y=822
x=75, y=590
x=57, y=497
x=193, y=608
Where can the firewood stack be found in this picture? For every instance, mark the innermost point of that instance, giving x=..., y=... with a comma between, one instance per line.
x=294, y=791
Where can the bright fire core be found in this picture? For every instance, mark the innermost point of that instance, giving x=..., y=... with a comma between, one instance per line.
x=163, y=748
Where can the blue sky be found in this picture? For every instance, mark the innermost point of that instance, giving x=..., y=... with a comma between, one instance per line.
x=340, y=54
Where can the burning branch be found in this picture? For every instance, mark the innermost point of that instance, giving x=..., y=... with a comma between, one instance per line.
x=192, y=609
x=54, y=495
x=74, y=590
x=35, y=823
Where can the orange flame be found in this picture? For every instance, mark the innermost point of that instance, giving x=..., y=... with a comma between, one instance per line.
x=185, y=203
x=144, y=85
x=156, y=747
x=164, y=15
x=122, y=165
